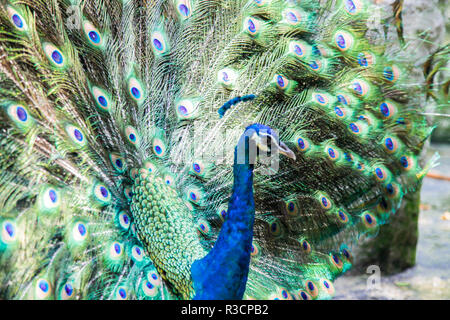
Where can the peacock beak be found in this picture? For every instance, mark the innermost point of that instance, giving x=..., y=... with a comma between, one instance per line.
x=284, y=150
x=262, y=143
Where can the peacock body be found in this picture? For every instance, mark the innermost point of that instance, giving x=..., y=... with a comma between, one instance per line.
x=122, y=123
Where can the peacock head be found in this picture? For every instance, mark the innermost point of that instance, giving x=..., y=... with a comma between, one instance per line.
x=260, y=140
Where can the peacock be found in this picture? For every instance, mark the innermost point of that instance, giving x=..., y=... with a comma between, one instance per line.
x=198, y=149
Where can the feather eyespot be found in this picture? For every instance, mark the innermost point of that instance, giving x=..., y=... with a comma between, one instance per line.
x=135, y=90
x=293, y=17
x=203, y=227
x=92, y=34
x=187, y=108
x=137, y=253
x=17, y=19
x=227, y=77
x=19, y=114
x=391, y=73
x=343, y=40
x=281, y=81
x=299, y=49
x=101, y=98
x=169, y=180
x=315, y=65
x=360, y=87
x=154, y=278
x=387, y=109
x=221, y=212
x=9, y=232
x=79, y=232
x=43, y=289
x=325, y=202
x=116, y=250
x=117, y=162
x=392, y=190
x=333, y=154
x=67, y=291
x=159, y=43
x=121, y=293
x=291, y=208
x=124, y=220
x=353, y=7
x=54, y=55
x=149, y=289
x=344, y=99
x=380, y=174
x=311, y=289
x=159, y=148
x=321, y=99
x=369, y=220
x=132, y=135
x=275, y=228
x=260, y=3
x=306, y=247
x=303, y=144
x=407, y=162
x=252, y=26
x=355, y=128
x=366, y=59
x=327, y=286
x=101, y=194
x=76, y=135
x=184, y=8
x=303, y=295
x=340, y=112
x=255, y=250
x=342, y=216
x=336, y=261
x=390, y=144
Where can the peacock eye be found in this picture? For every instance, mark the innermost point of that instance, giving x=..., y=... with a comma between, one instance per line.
x=121, y=293
x=303, y=295
x=343, y=40
x=391, y=73
x=132, y=135
x=406, y=163
x=315, y=65
x=76, y=135
x=67, y=291
x=184, y=8
x=169, y=180
x=291, y=208
x=281, y=81
x=336, y=261
x=333, y=154
x=124, y=220
x=391, y=144
x=306, y=247
x=292, y=16
x=321, y=99
x=204, y=227
x=360, y=87
x=137, y=253
x=101, y=98
x=339, y=112
x=380, y=174
x=327, y=286
x=187, y=108
x=299, y=49
x=42, y=289
x=116, y=250
x=117, y=162
x=159, y=148
x=369, y=220
x=9, y=233
x=159, y=43
x=352, y=7
x=128, y=193
x=355, y=128
x=154, y=278
x=92, y=34
x=387, y=109
x=252, y=26
x=54, y=55
x=79, y=232
x=255, y=250
x=101, y=193
x=342, y=216
x=17, y=19
x=312, y=289
x=227, y=77
x=149, y=289
x=135, y=89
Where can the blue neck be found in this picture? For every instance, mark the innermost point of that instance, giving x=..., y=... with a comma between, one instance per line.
x=222, y=273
